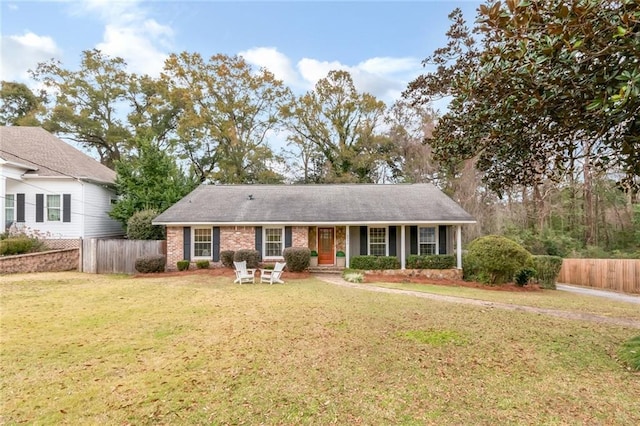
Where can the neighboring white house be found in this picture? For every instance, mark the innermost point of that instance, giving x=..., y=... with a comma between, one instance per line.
x=51, y=189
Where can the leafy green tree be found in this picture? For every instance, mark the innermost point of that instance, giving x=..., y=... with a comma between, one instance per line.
x=228, y=111
x=550, y=84
x=344, y=128
x=19, y=106
x=104, y=107
x=148, y=179
x=140, y=226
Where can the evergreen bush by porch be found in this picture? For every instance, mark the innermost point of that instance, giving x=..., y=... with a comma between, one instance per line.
x=251, y=256
x=434, y=261
x=226, y=257
x=495, y=259
x=297, y=258
x=183, y=265
x=150, y=264
x=547, y=270
x=374, y=262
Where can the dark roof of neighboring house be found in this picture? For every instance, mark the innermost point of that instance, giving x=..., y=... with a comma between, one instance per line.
x=47, y=156
x=315, y=204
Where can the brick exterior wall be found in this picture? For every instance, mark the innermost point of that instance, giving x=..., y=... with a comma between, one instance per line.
x=300, y=236
x=237, y=237
x=50, y=261
x=231, y=238
x=175, y=237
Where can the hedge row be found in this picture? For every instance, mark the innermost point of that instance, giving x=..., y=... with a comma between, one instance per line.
x=434, y=261
x=374, y=262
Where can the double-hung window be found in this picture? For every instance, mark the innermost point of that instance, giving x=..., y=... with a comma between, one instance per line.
x=202, y=242
x=273, y=242
x=427, y=241
x=54, y=208
x=378, y=241
x=9, y=209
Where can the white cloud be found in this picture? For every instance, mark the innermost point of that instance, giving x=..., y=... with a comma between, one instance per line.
x=20, y=53
x=130, y=34
x=384, y=77
x=276, y=62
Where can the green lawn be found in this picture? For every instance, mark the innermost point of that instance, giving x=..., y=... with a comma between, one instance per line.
x=87, y=349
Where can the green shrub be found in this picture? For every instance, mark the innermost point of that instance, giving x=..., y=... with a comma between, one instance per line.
x=202, y=264
x=150, y=264
x=547, y=270
x=374, y=262
x=269, y=266
x=226, y=257
x=353, y=277
x=183, y=265
x=252, y=257
x=314, y=253
x=434, y=261
x=629, y=353
x=523, y=276
x=297, y=258
x=139, y=226
x=340, y=253
x=497, y=258
x=19, y=245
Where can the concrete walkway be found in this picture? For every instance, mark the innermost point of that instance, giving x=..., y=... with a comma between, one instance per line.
x=620, y=297
x=626, y=322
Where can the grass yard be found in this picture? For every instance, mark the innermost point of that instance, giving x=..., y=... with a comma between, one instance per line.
x=196, y=349
x=550, y=299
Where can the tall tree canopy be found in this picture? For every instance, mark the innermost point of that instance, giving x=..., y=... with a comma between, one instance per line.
x=228, y=110
x=19, y=106
x=103, y=107
x=552, y=83
x=344, y=127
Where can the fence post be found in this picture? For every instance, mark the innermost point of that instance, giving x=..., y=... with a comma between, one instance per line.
x=80, y=258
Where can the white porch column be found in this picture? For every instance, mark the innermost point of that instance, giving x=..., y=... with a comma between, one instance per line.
x=403, y=257
x=459, y=246
x=347, y=252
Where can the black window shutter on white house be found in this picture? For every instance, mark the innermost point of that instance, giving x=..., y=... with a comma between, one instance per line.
x=19, y=207
x=39, y=207
x=66, y=207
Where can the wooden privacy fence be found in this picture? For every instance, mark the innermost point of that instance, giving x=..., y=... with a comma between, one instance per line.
x=99, y=256
x=609, y=274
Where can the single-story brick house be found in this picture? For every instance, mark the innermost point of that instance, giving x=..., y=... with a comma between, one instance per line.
x=358, y=219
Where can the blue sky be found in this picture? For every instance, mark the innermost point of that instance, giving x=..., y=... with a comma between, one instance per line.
x=380, y=43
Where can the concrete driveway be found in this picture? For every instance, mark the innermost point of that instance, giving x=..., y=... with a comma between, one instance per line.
x=599, y=293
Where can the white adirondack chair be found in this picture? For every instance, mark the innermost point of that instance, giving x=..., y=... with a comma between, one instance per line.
x=272, y=276
x=243, y=275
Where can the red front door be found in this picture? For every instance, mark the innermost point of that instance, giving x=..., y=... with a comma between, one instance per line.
x=325, y=246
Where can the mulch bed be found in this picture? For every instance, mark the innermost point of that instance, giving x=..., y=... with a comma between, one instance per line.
x=368, y=279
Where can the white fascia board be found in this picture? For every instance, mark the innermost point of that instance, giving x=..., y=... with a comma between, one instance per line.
x=14, y=164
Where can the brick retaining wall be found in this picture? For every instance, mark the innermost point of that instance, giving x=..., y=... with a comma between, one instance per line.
x=48, y=261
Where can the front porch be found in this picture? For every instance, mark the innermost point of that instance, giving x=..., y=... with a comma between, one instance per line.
x=399, y=241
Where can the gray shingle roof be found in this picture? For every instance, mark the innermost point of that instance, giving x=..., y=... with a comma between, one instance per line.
x=49, y=156
x=309, y=204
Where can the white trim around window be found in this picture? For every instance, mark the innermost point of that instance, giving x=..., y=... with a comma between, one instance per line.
x=9, y=209
x=427, y=240
x=272, y=242
x=53, y=207
x=201, y=243
x=377, y=238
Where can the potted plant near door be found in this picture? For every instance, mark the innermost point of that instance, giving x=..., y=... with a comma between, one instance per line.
x=341, y=260
x=313, y=261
